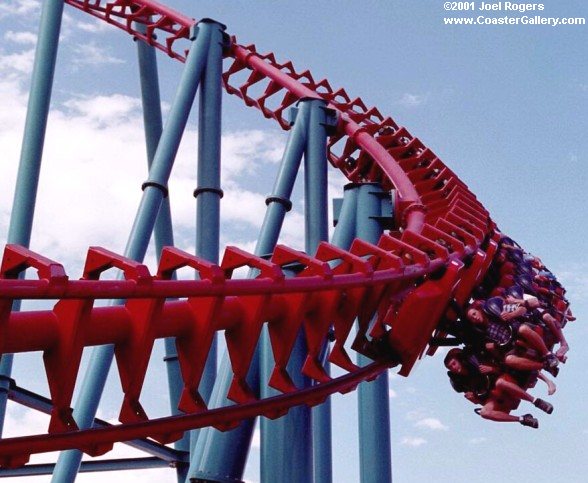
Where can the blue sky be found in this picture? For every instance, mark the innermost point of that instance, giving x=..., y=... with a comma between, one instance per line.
x=504, y=107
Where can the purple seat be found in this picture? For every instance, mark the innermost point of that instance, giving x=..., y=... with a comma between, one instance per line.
x=493, y=306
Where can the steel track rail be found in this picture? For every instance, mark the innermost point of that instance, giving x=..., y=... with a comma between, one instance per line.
x=102, y=439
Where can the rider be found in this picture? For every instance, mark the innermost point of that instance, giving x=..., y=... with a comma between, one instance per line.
x=484, y=384
x=503, y=331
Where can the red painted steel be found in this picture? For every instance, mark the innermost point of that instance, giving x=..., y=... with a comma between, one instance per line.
x=14, y=450
x=441, y=249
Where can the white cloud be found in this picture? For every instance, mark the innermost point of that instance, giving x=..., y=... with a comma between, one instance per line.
x=392, y=393
x=20, y=37
x=431, y=423
x=416, y=414
x=412, y=441
x=112, y=110
x=12, y=114
x=243, y=206
x=21, y=421
x=95, y=26
x=478, y=440
x=18, y=7
x=90, y=25
x=249, y=150
x=72, y=24
x=256, y=438
x=17, y=63
x=575, y=280
x=92, y=54
x=413, y=100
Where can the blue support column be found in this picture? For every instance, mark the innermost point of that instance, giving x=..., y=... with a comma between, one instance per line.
x=315, y=178
x=375, y=452
x=286, y=451
x=154, y=190
x=222, y=456
x=286, y=443
x=25, y=195
x=153, y=124
x=344, y=233
x=317, y=230
x=208, y=193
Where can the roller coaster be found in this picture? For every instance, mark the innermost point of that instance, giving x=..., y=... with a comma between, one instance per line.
x=411, y=243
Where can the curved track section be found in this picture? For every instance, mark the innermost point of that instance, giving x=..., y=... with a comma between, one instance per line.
x=442, y=246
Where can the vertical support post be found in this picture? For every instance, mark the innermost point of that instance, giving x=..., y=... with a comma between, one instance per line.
x=153, y=125
x=278, y=460
x=317, y=230
x=343, y=236
x=375, y=452
x=25, y=195
x=344, y=233
x=222, y=456
x=286, y=451
x=208, y=193
x=154, y=190
x=315, y=178
x=286, y=443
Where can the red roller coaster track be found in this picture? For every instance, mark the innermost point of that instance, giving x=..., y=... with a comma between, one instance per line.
x=443, y=247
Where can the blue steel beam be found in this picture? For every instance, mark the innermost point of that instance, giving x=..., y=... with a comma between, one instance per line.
x=89, y=467
x=345, y=228
x=286, y=451
x=317, y=230
x=375, y=452
x=153, y=126
x=23, y=207
x=208, y=192
x=154, y=190
x=286, y=443
x=40, y=403
x=222, y=456
x=27, y=182
x=277, y=465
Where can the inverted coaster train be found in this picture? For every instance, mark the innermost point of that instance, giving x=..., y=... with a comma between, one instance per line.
x=410, y=238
